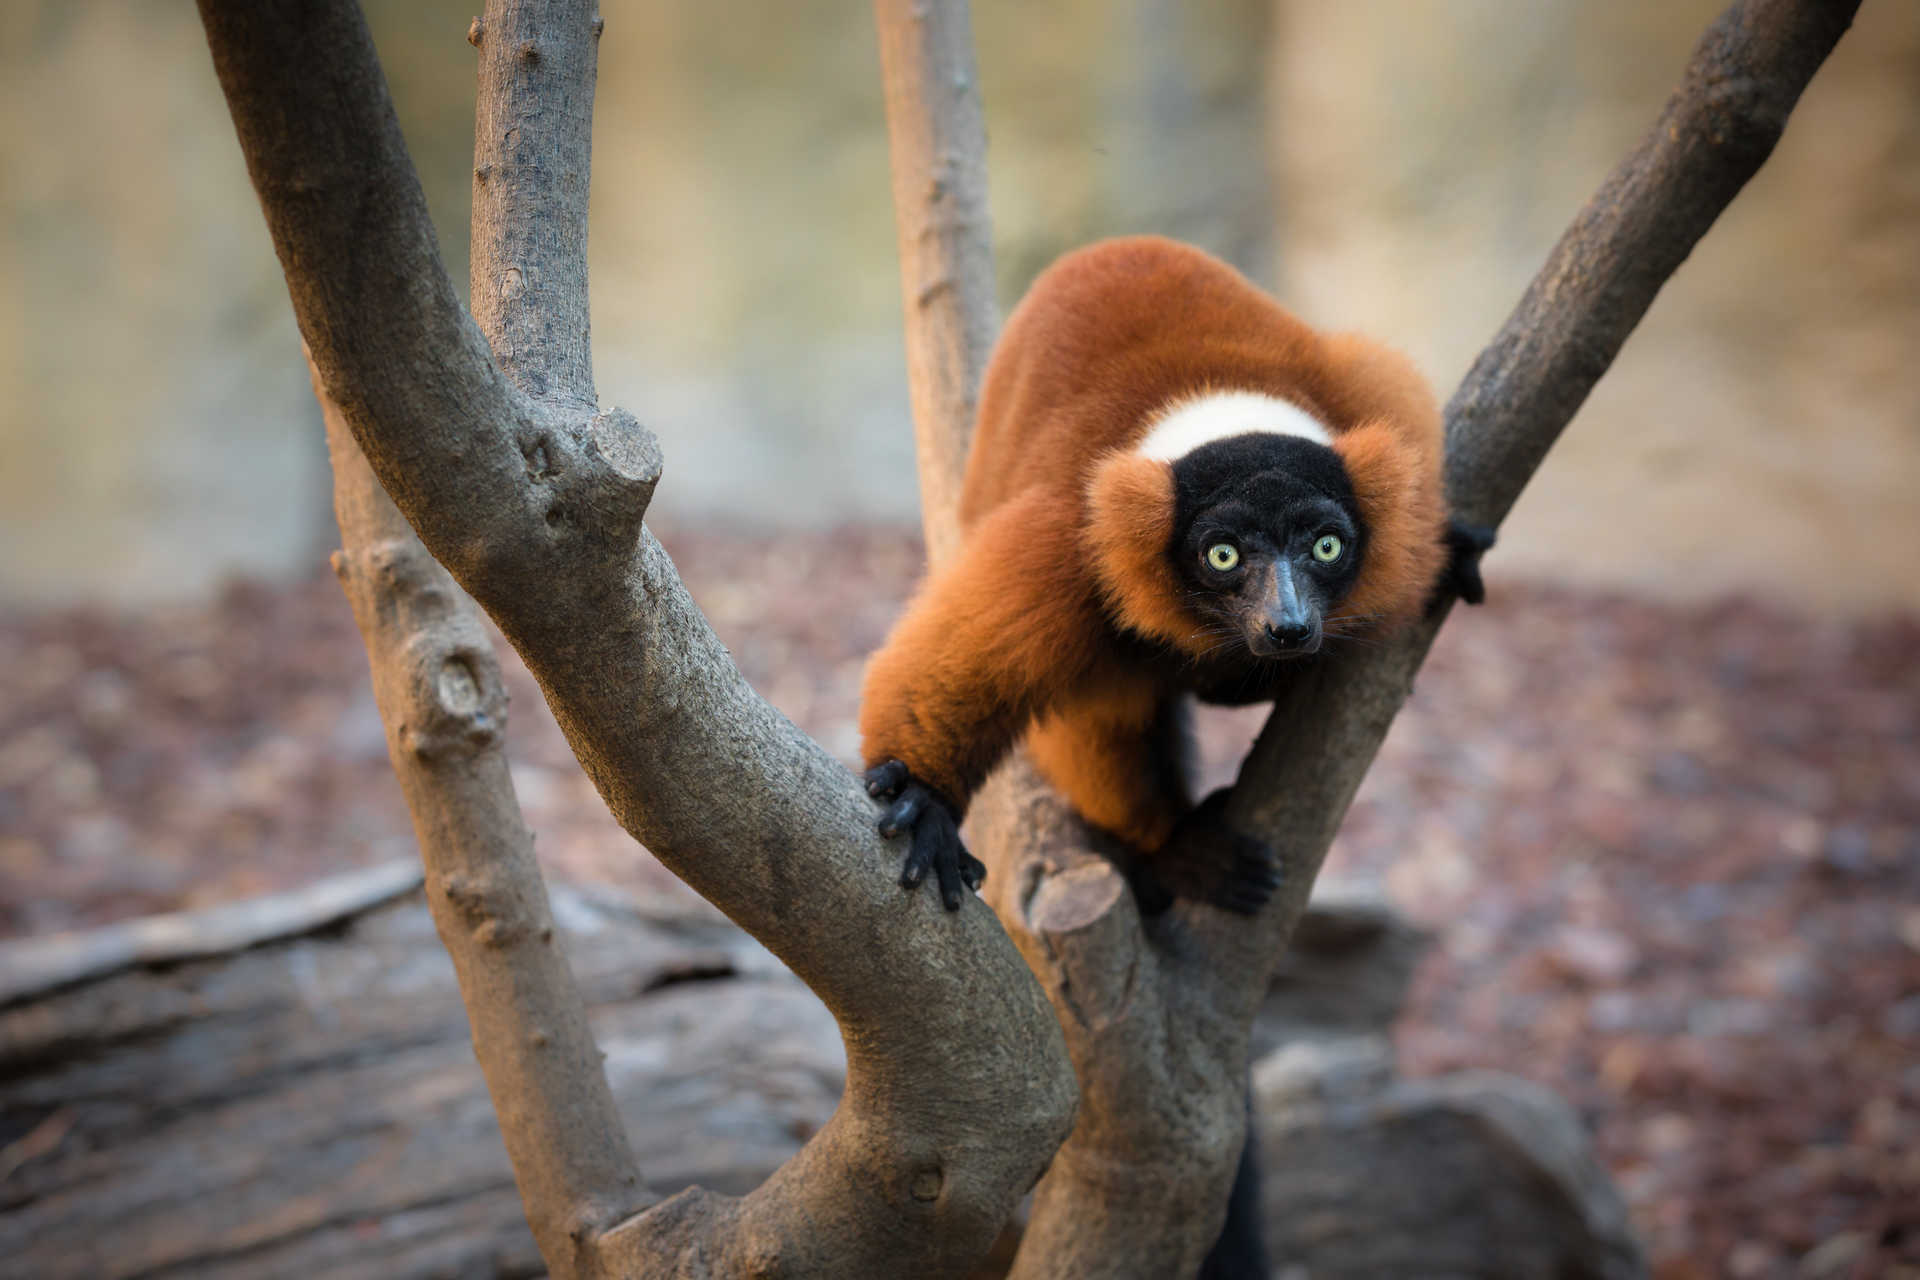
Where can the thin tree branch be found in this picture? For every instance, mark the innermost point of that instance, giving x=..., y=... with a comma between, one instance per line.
x=532, y=146
x=34, y=966
x=438, y=686
x=937, y=146
x=1742, y=82
x=958, y=1088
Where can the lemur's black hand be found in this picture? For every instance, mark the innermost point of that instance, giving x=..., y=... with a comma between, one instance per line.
x=1206, y=860
x=1466, y=543
x=913, y=807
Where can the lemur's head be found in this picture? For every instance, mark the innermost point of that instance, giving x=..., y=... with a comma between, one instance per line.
x=1239, y=519
x=1268, y=540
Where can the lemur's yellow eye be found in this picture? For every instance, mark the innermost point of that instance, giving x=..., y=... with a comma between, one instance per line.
x=1223, y=556
x=1327, y=550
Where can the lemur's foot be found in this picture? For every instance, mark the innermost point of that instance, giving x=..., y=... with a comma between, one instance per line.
x=1466, y=543
x=1205, y=860
x=914, y=807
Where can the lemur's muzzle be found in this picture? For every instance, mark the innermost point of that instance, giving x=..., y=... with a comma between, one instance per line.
x=1286, y=625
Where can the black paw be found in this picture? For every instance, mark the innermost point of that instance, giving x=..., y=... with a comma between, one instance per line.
x=1206, y=860
x=917, y=809
x=1466, y=543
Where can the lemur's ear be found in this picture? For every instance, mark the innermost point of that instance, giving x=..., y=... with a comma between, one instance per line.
x=1398, y=492
x=1130, y=505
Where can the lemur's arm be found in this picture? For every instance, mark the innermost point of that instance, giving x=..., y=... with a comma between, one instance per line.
x=992, y=639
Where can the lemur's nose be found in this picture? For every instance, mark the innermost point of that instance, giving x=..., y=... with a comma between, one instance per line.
x=1287, y=634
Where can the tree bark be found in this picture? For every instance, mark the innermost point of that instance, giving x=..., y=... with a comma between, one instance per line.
x=533, y=499
x=1157, y=1013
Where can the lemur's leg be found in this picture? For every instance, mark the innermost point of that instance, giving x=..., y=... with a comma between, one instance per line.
x=1105, y=752
x=1122, y=759
x=1206, y=860
x=991, y=640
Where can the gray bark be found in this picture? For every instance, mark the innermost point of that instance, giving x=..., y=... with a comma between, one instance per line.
x=438, y=687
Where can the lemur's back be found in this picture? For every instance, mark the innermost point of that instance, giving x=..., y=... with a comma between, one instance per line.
x=1108, y=335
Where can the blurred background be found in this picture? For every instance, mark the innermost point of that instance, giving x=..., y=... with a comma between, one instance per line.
x=1660, y=801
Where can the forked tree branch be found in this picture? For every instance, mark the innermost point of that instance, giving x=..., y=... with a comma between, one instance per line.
x=958, y=1088
x=1157, y=1014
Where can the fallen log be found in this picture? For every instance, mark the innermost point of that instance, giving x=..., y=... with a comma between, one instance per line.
x=309, y=1106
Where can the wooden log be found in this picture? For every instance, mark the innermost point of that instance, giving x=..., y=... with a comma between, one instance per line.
x=310, y=1107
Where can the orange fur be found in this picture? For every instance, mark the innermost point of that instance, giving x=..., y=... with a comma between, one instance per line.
x=1101, y=750
x=1066, y=528
x=1129, y=520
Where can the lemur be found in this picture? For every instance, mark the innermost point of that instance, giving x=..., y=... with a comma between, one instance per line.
x=1175, y=487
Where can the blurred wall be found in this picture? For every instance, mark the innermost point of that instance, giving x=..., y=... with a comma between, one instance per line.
x=1762, y=431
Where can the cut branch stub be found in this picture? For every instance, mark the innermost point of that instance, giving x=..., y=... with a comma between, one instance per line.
x=588, y=483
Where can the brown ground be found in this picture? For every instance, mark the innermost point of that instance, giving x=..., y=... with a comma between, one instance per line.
x=1673, y=853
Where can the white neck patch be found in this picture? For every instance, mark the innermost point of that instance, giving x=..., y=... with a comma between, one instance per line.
x=1219, y=415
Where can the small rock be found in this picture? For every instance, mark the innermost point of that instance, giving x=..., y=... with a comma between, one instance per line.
x=1729, y=1018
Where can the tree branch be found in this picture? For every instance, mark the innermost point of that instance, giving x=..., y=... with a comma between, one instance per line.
x=440, y=695
x=1742, y=82
x=532, y=147
x=937, y=147
x=958, y=1093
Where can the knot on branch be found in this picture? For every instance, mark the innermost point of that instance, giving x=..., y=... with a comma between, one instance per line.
x=488, y=907
x=1741, y=116
x=458, y=703
x=629, y=450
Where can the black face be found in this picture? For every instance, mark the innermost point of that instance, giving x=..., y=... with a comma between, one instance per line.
x=1267, y=537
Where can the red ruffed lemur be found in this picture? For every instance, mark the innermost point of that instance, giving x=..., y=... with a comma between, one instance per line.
x=1176, y=487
